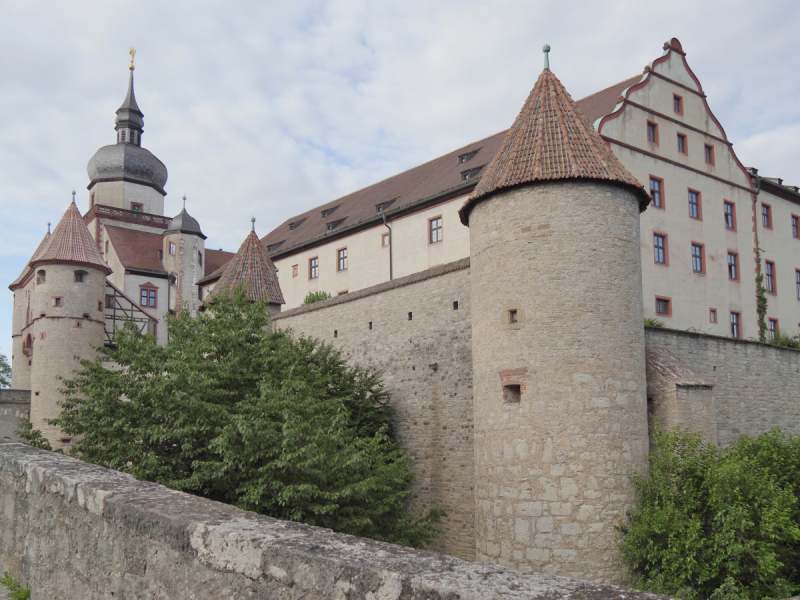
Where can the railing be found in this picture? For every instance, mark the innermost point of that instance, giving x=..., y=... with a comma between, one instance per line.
x=131, y=216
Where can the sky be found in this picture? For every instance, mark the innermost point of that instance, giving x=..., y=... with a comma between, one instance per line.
x=267, y=109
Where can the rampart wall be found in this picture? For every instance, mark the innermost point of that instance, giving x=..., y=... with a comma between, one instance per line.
x=75, y=531
x=756, y=386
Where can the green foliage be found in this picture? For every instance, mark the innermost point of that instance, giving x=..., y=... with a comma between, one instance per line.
x=784, y=340
x=761, y=296
x=651, y=322
x=15, y=590
x=234, y=412
x=717, y=524
x=32, y=437
x=312, y=297
x=5, y=372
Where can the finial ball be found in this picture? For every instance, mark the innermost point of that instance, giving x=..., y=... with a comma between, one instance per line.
x=546, y=48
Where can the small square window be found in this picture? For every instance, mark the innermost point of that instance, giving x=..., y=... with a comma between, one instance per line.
x=78, y=277
x=512, y=394
x=712, y=315
x=58, y=301
x=663, y=307
x=136, y=207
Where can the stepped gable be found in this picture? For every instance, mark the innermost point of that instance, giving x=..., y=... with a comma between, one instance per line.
x=252, y=265
x=72, y=243
x=18, y=282
x=551, y=140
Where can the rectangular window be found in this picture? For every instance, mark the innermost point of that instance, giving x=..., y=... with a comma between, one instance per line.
x=652, y=132
x=663, y=306
x=677, y=104
x=660, y=248
x=769, y=273
x=136, y=207
x=695, y=208
x=736, y=329
x=435, y=230
x=712, y=315
x=58, y=301
x=385, y=240
x=733, y=266
x=657, y=192
x=795, y=226
x=709, y=154
x=773, y=328
x=682, y=148
x=797, y=282
x=200, y=258
x=143, y=300
x=697, y=258
x=313, y=267
x=171, y=248
x=341, y=259
x=106, y=247
x=730, y=215
x=766, y=215
x=294, y=270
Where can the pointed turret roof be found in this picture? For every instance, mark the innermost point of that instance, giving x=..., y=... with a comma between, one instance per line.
x=252, y=265
x=185, y=223
x=129, y=115
x=27, y=270
x=551, y=140
x=72, y=243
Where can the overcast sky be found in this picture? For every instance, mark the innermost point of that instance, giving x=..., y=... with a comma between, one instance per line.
x=271, y=108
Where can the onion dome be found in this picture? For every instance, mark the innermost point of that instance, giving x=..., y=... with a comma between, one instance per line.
x=551, y=141
x=127, y=160
x=71, y=243
x=185, y=223
x=252, y=266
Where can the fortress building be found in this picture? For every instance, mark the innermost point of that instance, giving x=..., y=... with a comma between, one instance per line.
x=501, y=290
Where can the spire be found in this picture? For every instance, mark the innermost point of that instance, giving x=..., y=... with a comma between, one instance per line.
x=253, y=224
x=252, y=266
x=130, y=120
x=73, y=198
x=550, y=141
x=546, y=50
x=71, y=242
x=48, y=228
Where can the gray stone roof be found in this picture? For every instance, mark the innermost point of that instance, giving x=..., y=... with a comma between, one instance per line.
x=129, y=115
x=185, y=223
x=127, y=162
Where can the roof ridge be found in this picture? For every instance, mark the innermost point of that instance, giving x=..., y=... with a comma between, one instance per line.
x=606, y=88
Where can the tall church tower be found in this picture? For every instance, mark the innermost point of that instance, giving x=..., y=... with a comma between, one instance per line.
x=557, y=341
x=67, y=297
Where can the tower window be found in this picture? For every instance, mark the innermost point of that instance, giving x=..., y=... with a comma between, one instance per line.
x=512, y=394
x=41, y=276
x=200, y=258
x=512, y=316
x=91, y=199
x=455, y=305
x=80, y=276
x=122, y=135
x=136, y=207
x=58, y=301
x=410, y=316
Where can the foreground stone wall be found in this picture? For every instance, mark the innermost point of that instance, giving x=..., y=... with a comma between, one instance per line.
x=15, y=405
x=756, y=386
x=75, y=531
x=413, y=331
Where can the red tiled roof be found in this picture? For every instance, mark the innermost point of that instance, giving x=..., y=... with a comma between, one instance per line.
x=253, y=267
x=603, y=102
x=136, y=249
x=71, y=242
x=28, y=270
x=215, y=259
x=671, y=367
x=550, y=140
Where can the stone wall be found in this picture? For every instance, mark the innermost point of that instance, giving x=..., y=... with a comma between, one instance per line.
x=76, y=531
x=414, y=332
x=15, y=405
x=756, y=386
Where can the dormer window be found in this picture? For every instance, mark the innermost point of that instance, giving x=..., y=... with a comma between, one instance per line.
x=272, y=247
x=379, y=208
x=469, y=174
x=463, y=158
x=333, y=225
x=328, y=211
x=295, y=225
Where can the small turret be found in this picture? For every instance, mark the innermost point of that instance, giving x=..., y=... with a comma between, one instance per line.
x=184, y=253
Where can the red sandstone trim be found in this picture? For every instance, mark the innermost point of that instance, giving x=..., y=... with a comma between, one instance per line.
x=669, y=306
x=663, y=193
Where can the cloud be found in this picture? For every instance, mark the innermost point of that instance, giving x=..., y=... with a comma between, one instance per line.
x=269, y=109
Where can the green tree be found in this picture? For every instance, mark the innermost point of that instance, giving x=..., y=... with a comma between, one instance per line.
x=5, y=372
x=235, y=412
x=312, y=297
x=716, y=524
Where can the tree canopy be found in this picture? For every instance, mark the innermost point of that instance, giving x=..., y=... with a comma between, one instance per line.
x=238, y=413
x=5, y=372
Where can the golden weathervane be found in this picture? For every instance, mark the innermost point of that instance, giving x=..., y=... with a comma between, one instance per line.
x=132, y=52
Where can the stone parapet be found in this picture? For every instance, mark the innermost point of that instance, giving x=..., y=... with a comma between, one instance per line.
x=15, y=405
x=73, y=530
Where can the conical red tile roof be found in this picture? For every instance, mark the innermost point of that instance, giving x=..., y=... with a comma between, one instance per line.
x=72, y=243
x=550, y=140
x=252, y=266
x=28, y=268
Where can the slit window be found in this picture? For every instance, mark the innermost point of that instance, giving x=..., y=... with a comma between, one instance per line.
x=370, y=325
x=410, y=316
x=677, y=104
x=455, y=304
x=512, y=316
x=712, y=315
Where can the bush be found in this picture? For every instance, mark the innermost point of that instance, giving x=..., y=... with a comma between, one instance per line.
x=784, y=340
x=716, y=524
x=651, y=322
x=312, y=297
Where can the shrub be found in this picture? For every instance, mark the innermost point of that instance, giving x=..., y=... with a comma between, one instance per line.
x=312, y=297
x=651, y=322
x=784, y=340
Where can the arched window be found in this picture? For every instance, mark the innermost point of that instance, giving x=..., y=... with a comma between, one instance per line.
x=41, y=276
x=80, y=276
x=27, y=347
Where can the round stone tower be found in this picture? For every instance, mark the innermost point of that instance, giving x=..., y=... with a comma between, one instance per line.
x=558, y=343
x=67, y=302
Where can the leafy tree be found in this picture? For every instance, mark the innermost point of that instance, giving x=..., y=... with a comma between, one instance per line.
x=717, y=524
x=5, y=372
x=32, y=437
x=235, y=412
x=312, y=297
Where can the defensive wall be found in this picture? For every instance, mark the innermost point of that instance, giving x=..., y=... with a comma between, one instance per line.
x=15, y=405
x=77, y=531
x=412, y=330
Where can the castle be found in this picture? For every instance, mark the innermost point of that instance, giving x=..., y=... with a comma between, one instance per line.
x=501, y=289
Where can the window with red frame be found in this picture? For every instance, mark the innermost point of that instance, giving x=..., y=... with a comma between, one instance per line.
x=663, y=307
x=712, y=315
x=773, y=328
x=797, y=280
x=769, y=275
x=795, y=226
x=709, y=154
x=677, y=104
x=730, y=216
x=766, y=215
x=736, y=327
x=148, y=298
x=694, y=204
x=657, y=191
x=733, y=266
x=682, y=144
x=697, y=258
x=652, y=132
x=660, y=248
